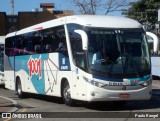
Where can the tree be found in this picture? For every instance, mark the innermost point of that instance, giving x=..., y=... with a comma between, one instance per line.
x=145, y=11
x=87, y=6
x=114, y=5
x=102, y=6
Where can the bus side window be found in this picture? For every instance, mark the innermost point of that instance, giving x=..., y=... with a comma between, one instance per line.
x=61, y=44
x=49, y=40
x=158, y=52
x=37, y=48
x=76, y=46
x=49, y=48
x=9, y=46
x=151, y=49
x=78, y=53
x=20, y=45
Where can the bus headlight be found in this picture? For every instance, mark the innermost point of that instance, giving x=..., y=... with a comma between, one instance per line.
x=95, y=83
x=146, y=83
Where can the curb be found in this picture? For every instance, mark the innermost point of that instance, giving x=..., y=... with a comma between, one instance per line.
x=14, y=104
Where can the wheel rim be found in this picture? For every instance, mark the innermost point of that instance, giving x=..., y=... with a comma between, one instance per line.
x=67, y=93
x=19, y=89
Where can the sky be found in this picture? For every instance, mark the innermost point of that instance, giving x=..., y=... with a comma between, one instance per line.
x=28, y=5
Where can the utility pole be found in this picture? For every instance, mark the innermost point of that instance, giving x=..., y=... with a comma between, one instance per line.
x=12, y=6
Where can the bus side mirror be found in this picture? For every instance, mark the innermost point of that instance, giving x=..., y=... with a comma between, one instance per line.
x=155, y=41
x=84, y=38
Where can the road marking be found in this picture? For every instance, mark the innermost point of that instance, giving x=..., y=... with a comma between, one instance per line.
x=14, y=109
x=8, y=119
x=22, y=110
x=13, y=101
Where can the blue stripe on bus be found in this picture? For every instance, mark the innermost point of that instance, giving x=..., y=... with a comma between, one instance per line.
x=11, y=60
x=22, y=63
x=144, y=78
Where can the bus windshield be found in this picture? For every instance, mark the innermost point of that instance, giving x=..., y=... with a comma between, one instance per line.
x=119, y=51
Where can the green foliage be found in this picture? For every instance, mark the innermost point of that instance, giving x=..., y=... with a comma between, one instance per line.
x=145, y=11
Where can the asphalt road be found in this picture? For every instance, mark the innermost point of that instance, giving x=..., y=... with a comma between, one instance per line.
x=38, y=103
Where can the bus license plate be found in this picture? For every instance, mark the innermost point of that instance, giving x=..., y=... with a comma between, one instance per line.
x=125, y=95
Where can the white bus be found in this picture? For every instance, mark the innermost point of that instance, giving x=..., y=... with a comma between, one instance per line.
x=153, y=41
x=58, y=58
x=2, y=38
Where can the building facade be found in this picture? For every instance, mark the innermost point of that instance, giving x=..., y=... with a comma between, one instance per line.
x=30, y=18
x=11, y=23
x=2, y=23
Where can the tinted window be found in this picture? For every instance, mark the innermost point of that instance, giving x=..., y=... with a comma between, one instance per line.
x=39, y=42
x=76, y=45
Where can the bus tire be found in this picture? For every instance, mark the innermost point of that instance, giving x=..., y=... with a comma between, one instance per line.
x=66, y=94
x=19, y=91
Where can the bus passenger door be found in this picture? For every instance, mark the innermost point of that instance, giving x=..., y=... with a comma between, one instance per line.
x=81, y=85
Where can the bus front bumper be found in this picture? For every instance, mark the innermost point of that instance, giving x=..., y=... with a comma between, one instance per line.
x=100, y=94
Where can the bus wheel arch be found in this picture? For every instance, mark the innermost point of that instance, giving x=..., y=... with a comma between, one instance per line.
x=66, y=92
x=19, y=90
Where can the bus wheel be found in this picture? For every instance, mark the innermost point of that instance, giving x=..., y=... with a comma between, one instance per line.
x=67, y=94
x=19, y=89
